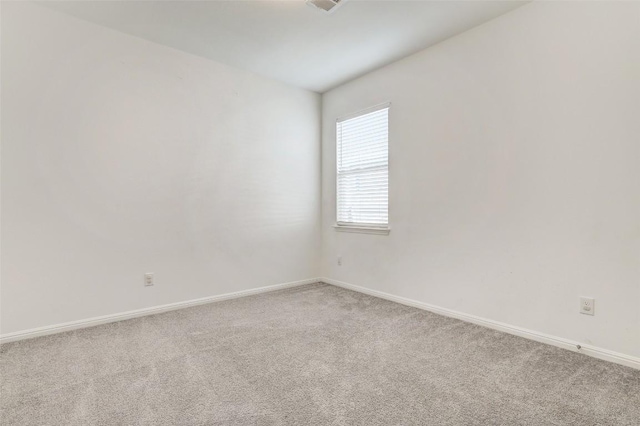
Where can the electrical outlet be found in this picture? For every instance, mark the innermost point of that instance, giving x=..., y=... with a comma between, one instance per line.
x=339, y=260
x=148, y=279
x=587, y=305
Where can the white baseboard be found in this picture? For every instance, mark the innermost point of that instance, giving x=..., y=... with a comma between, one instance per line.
x=90, y=322
x=593, y=351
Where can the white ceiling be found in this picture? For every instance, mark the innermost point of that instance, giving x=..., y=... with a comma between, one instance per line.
x=288, y=40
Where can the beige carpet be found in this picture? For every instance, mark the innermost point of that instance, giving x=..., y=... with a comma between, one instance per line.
x=311, y=355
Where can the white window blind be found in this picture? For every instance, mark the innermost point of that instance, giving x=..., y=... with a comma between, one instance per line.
x=363, y=169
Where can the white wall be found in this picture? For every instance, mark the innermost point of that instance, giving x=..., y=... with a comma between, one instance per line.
x=121, y=157
x=514, y=173
x=515, y=185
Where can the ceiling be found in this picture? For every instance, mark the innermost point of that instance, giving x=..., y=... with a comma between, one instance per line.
x=288, y=40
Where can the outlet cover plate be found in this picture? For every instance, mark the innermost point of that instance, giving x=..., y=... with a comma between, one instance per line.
x=148, y=279
x=587, y=305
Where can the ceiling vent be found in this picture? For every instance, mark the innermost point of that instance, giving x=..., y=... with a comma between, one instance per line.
x=326, y=6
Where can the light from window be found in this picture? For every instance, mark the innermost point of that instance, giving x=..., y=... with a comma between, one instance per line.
x=363, y=169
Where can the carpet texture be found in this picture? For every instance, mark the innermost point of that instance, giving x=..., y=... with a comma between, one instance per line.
x=310, y=355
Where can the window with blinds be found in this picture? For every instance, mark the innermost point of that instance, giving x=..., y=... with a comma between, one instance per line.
x=363, y=169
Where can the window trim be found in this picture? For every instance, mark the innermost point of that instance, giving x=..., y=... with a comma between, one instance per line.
x=361, y=229
x=364, y=228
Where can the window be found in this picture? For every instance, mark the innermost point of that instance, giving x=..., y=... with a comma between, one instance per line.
x=363, y=169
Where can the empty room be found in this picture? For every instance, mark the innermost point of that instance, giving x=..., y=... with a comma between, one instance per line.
x=320, y=212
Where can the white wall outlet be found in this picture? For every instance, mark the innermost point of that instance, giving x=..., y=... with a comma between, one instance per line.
x=148, y=279
x=587, y=305
x=339, y=260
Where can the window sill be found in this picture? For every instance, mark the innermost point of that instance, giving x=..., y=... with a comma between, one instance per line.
x=362, y=229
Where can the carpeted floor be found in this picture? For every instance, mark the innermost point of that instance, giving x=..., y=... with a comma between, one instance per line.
x=311, y=355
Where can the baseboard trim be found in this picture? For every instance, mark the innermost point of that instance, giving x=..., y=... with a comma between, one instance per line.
x=91, y=322
x=593, y=351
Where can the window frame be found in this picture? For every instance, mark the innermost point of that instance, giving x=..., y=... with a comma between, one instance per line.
x=364, y=228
